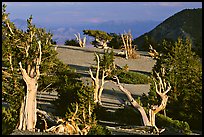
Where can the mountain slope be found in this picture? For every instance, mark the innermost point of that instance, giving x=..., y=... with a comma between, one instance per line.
x=186, y=23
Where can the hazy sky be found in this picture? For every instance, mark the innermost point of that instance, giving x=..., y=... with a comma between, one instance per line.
x=94, y=12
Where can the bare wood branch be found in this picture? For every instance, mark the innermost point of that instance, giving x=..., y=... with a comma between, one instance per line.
x=123, y=40
x=10, y=61
x=46, y=87
x=102, y=85
x=98, y=65
x=91, y=74
x=19, y=46
x=76, y=37
x=24, y=73
x=44, y=113
x=38, y=61
x=77, y=107
x=156, y=87
x=81, y=43
x=89, y=109
x=7, y=74
x=29, y=69
x=134, y=103
x=84, y=42
x=9, y=27
x=153, y=53
x=168, y=89
x=40, y=53
x=86, y=129
x=27, y=49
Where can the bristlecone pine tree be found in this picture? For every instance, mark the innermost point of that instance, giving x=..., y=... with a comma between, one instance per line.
x=101, y=38
x=184, y=72
x=23, y=55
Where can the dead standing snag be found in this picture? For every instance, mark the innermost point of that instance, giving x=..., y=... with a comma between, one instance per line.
x=130, y=52
x=82, y=43
x=98, y=87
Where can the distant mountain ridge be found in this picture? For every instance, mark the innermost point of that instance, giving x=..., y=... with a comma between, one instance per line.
x=186, y=23
x=63, y=33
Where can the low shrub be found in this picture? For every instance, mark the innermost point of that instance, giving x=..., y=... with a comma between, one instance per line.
x=128, y=116
x=130, y=77
x=99, y=130
x=172, y=125
x=102, y=114
x=72, y=42
x=8, y=121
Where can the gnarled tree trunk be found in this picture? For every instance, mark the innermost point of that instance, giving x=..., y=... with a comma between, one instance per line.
x=102, y=85
x=134, y=103
x=162, y=91
x=98, y=87
x=28, y=116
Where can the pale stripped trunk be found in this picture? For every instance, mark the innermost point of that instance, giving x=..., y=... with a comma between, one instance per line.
x=28, y=115
x=96, y=88
x=101, y=87
x=134, y=103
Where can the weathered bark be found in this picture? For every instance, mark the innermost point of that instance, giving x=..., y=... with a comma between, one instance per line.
x=28, y=116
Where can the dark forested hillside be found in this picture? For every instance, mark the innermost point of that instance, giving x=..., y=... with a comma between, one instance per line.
x=186, y=23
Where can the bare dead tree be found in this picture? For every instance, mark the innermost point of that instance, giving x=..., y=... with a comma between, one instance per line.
x=128, y=49
x=82, y=42
x=98, y=87
x=153, y=53
x=163, y=89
